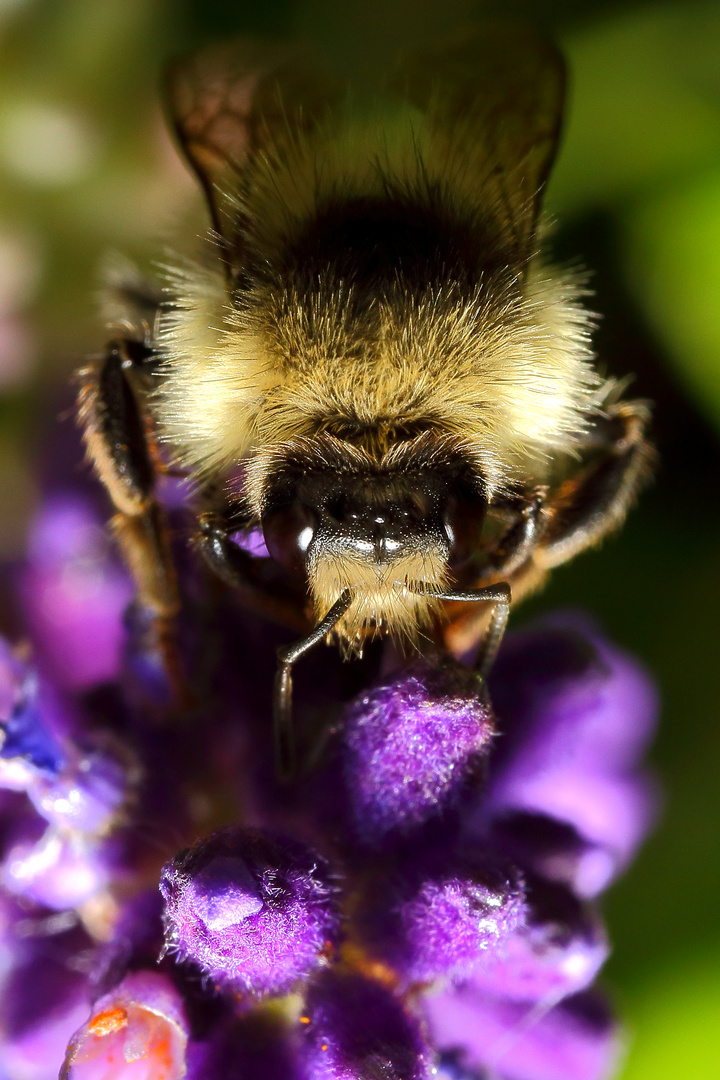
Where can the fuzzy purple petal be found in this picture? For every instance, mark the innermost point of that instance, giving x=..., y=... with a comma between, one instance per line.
x=577, y=1040
x=75, y=593
x=444, y=921
x=410, y=748
x=256, y=911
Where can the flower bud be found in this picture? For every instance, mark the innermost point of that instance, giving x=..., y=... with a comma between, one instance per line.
x=138, y=1031
x=256, y=911
x=445, y=921
x=411, y=746
x=556, y=952
x=355, y=1029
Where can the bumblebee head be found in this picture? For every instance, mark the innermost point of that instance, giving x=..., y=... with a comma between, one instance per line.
x=387, y=529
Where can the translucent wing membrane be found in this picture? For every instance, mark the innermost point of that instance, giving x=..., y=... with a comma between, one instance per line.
x=492, y=100
x=495, y=98
x=228, y=102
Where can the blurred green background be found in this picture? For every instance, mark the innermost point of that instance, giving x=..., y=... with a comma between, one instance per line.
x=86, y=168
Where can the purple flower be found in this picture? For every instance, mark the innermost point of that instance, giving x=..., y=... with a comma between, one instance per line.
x=567, y=795
x=43, y=989
x=412, y=748
x=554, y=850
x=446, y=920
x=577, y=1040
x=59, y=871
x=557, y=950
x=139, y=1031
x=75, y=593
x=80, y=791
x=32, y=723
x=415, y=906
x=574, y=728
x=356, y=1029
x=255, y=911
x=86, y=796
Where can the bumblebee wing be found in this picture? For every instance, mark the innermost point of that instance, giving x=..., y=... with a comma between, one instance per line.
x=494, y=99
x=227, y=103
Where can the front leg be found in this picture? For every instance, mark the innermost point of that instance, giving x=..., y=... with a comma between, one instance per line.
x=242, y=572
x=238, y=569
x=595, y=501
x=509, y=563
x=115, y=432
x=558, y=523
x=518, y=544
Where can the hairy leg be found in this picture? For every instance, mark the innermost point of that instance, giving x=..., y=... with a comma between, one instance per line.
x=115, y=432
x=595, y=501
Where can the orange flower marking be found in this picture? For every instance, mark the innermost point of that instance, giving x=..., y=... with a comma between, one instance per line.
x=105, y=1023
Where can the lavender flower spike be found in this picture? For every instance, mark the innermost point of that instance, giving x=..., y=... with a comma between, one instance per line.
x=410, y=747
x=457, y=943
x=256, y=911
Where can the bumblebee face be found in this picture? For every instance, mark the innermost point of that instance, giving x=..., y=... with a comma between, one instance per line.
x=377, y=523
x=346, y=522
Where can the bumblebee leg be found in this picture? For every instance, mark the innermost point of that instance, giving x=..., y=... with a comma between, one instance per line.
x=520, y=541
x=500, y=595
x=597, y=500
x=495, y=632
x=282, y=696
x=115, y=435
x=238, y=570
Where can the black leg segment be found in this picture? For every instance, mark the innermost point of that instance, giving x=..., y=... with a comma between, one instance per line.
x=282, y=698
x=500, y=595
x=598, y=501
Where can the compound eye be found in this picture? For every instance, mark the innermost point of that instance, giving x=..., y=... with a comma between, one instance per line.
x=463, y=520
x=288, y=532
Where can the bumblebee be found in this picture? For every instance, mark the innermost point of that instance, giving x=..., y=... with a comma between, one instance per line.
x=373, y=363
